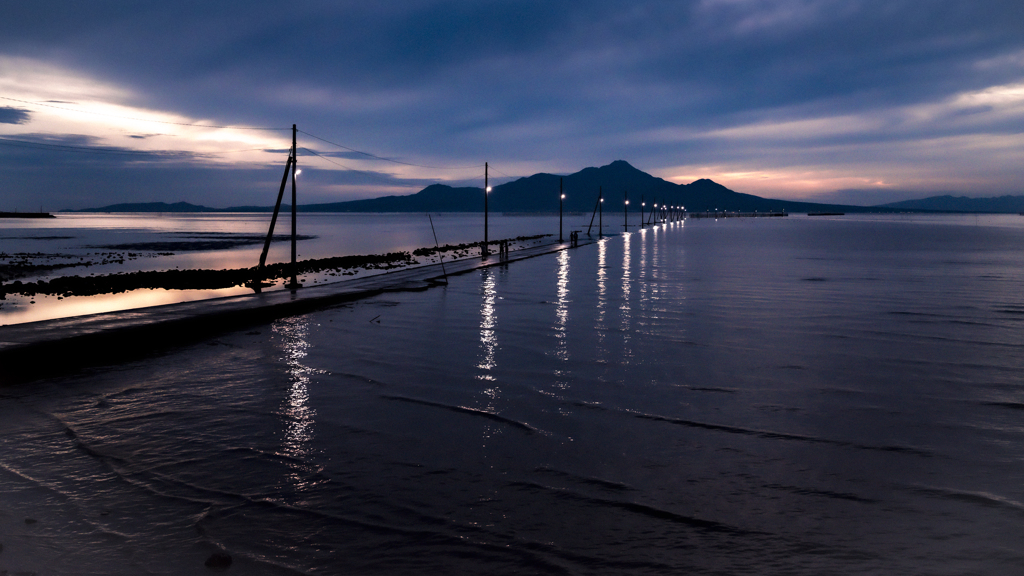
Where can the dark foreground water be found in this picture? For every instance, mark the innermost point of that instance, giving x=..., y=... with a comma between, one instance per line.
x=771, y=396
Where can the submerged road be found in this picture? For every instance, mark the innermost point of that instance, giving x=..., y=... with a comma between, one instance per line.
x=38, y=349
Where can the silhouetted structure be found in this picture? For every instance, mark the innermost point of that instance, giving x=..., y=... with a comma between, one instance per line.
x=290, y=166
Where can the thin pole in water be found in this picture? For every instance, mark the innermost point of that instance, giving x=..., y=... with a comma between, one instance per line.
x=441, y=256
x=561, y=197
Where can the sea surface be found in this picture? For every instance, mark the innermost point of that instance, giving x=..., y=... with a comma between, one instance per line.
x=743, y=396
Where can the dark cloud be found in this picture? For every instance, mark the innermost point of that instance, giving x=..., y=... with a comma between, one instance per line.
x=76, y=148
x=10, y=115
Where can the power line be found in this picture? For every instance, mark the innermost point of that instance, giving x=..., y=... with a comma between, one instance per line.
x=144, y=119
x=500, y=172
x=339, y=164
x=387, y=159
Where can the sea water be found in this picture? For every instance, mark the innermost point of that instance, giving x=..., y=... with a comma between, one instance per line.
x=742, y=396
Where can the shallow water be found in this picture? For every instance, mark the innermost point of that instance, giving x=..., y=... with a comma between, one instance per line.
x=785, y=396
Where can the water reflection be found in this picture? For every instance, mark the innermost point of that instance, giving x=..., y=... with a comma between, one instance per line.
x=295, y=408
x=602, y=293
x=625, y=309
x=488, y=348
x=562, y=308
x=643, y=285
x=488, y=323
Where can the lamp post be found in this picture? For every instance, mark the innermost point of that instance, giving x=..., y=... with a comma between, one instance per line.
x=642, y=205
x=487, y=190
x=295, y=170
x=600, y=214
x=561, y=198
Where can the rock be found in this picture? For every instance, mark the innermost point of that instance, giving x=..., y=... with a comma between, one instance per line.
x=218, y=561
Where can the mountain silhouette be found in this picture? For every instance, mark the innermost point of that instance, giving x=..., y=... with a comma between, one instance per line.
x=947, y=203
x=539, y=193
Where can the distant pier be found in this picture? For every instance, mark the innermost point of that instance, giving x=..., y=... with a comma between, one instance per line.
x=725, y=214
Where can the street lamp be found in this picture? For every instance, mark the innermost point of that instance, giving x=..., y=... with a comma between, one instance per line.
x=487, y=190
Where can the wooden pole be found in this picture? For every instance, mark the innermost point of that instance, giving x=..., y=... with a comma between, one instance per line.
x=295, y=168
x=487, y=190
x=438, y=248
x=594, y=213
x=273, y=219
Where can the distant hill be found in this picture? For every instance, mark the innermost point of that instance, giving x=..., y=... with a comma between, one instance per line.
x=150, y=207
x=539, y=193
x=947, y=203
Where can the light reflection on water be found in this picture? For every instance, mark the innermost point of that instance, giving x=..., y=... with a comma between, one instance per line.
x=296, y=409
x=643, y=285
x=625, y=306
x=562, y=307
x=488, y=324
x=602, y=294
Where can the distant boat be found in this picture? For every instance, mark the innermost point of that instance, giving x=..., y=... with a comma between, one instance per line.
x=26, y=215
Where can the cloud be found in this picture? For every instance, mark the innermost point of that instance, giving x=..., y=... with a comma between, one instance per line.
x=10, y=115
x=794, y=98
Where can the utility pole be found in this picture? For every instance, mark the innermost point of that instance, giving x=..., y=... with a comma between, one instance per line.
x=487, y=190
x=295, y=168
x=257, y=283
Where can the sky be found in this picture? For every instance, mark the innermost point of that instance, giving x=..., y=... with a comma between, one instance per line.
x=853, y=101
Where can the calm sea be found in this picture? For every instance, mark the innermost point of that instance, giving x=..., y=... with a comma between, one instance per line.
x=746, y=396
